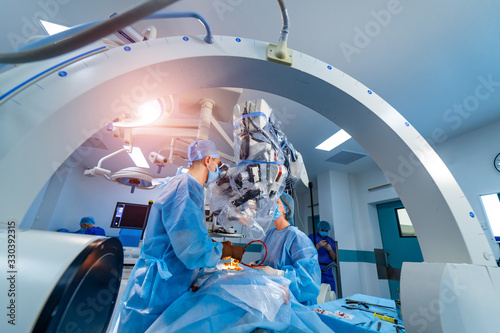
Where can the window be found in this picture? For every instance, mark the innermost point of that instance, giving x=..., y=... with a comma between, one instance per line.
x=404, y=224
x=491, y=205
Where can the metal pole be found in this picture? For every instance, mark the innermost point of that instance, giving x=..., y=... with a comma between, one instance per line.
x=312, y=212
x=337, y=272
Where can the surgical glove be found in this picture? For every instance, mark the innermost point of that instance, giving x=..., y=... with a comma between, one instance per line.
x=226, y=250
x=233, y=251
x=271, y=271
x=238, y=252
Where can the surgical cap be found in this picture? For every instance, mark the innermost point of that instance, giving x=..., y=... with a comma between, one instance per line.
x=201, y=148
x=289, y=206
x=87, y=220
x=324, y=225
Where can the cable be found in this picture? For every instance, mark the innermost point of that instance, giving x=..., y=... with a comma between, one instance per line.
x=88, y=35
x=286, y=22
x=296, y=198
x=265, y=247
x=208, y=38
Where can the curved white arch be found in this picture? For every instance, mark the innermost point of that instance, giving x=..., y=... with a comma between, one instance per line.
x=49, y=120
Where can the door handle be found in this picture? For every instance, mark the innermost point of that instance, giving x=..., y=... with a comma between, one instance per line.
x=387, y=259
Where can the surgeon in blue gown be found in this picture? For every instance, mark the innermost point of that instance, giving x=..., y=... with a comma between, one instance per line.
x=291, y=253
x=88, y=227
x=176, y=244
x=326, y=252
x=264, y=297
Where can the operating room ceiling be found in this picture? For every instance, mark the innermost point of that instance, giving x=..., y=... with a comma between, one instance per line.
x=435, y=62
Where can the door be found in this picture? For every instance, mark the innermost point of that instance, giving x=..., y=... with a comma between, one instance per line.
x=399, y=241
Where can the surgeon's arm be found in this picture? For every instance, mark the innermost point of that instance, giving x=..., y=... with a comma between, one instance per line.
x=330, y=251
x=188, y=234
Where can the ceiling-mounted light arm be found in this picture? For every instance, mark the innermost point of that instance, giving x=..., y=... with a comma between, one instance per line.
x=99, y=170
x=280, y=53
x=178, y=147
x=86, y=36
x=222, y=133
x=172, y=147
x=207, y=106
x=226, y=156
x=110, y=155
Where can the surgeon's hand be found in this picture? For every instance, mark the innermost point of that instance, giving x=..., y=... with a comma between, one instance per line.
x=322, y=243
x=269, y=270
x=238, y=252
x=233, y=251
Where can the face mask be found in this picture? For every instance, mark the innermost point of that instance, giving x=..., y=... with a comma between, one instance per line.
x=323, y=233
x=277, y=213
x=213, y=175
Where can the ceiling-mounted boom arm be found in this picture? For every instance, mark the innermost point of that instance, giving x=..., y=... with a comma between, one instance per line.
x=88, y=35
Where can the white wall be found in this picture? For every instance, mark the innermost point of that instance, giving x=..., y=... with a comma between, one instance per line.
x=366, y=225
x=364, y=206
x=470, y=160
x=83, y=196
x=31, y=215
x=46, y=202
x=335, y=207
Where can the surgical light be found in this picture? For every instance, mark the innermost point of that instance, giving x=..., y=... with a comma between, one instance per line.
x=150, y=111
x=134, y=177
x=334, y=141
x=145, y=114
x=137, y=156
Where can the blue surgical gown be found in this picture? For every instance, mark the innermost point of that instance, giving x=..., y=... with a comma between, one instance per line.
x=291, y=251
x=176, y=244
x=325, y=259
x=90, y=231
x=95, y=231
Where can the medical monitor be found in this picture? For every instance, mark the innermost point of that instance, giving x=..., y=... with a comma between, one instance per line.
x=130, y=216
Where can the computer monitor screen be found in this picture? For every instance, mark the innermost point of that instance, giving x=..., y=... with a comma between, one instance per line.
x=130, y=216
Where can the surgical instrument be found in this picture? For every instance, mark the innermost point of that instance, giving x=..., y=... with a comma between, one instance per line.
x=378, y=315
x=386, y=318
x=353, y=307
x=366, y=304
x=399, y=328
